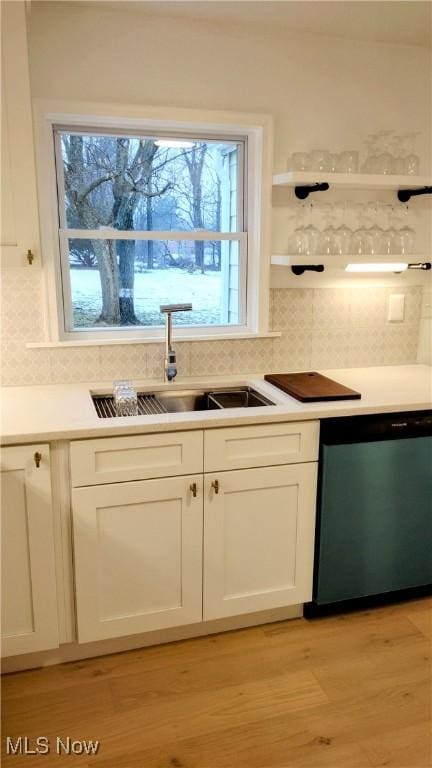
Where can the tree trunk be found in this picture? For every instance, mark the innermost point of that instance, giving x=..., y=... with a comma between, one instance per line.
x=195, y=163
x=126, y=253
x=108, y=274
x=149, y=212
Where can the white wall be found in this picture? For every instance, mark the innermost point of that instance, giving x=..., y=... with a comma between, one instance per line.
x=320, y=92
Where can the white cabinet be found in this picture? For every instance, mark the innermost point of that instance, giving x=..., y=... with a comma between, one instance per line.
x=139, y=543
x=138, y=556
x=259, y=529
x=262, y=445
x=140, y=457
x=29, y=607
x=20, y=226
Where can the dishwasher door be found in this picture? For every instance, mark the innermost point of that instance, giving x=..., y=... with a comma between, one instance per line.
x=374, y=531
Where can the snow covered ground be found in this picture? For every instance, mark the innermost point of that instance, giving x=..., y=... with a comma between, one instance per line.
x=163, y=286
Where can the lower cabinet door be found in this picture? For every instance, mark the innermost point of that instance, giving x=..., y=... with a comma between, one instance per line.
x=259, y=527
x=138, y=556
x=29, y=618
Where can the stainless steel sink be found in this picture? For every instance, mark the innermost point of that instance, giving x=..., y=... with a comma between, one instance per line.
x=185, y=400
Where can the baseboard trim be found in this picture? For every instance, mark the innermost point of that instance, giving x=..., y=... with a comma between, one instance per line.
x=76, y=651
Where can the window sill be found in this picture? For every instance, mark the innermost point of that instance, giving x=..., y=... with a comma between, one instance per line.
x=149, y=340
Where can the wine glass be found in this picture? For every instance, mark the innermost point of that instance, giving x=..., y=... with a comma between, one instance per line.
x=343, y=235
x=311, y=234
x=369, y=164
x=406, y=235
x=361, y=241
x=327, y=238
x=412, y=160
x=389, y=235
x=375, y=231
x=385, y=159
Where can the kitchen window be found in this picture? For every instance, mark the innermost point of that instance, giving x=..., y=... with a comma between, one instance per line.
x=149, y=218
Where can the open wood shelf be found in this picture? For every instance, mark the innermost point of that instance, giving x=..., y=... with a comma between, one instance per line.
x=340, y=262
x=350, y=180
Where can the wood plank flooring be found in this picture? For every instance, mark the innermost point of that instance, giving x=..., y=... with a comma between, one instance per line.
x=352, y=691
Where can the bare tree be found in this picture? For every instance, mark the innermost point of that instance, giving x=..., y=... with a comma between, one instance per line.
x=78, y=191
x=129, y=175
x=194, y=160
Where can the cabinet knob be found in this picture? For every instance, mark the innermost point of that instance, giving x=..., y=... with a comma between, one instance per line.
x=38, y=459
x=215, y=485
x=30, y=256
x=193, y=488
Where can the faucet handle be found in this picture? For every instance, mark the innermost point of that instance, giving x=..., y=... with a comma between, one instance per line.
x=171, y=365
x=167, y=308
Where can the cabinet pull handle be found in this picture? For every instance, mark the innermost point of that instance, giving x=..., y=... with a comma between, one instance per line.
x=30, y=256
x=215, y=485
x=193, y=488
x=38, y=459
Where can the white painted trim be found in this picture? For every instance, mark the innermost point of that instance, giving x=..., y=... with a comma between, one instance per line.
x=258, y=131
x=139, y=234
x=75, y=651
x=187, y=337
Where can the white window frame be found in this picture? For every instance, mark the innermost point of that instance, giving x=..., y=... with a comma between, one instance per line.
x=257, y=173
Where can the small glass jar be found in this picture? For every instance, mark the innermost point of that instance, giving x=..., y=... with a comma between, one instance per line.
x=299, y=161
x=348, y=162
x=125, y=398
x=321, y=160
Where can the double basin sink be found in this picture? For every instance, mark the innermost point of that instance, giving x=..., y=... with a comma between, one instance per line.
x=179, y=401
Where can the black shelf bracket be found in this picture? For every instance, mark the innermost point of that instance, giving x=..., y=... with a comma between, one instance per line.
x=303, y=192
x=299, y=269
x=404, y=195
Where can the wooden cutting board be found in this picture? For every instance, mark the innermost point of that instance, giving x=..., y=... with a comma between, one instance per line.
x=311, y=387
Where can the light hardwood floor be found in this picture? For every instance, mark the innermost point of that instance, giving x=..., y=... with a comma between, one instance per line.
x=352, y=691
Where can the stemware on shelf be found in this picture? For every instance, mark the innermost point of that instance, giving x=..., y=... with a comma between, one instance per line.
x=361, y=241
x=369, y=164
x=327, y=238
x=387, y=153
x=312, y=235
x=375, y=230
x=411, y=160
x=343, y=234
x=385, y=161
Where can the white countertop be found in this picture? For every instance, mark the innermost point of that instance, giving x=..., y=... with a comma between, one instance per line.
x=66, y=412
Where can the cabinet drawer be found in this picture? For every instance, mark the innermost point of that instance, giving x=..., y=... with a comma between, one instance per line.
x=139, y=457
x=260, y=446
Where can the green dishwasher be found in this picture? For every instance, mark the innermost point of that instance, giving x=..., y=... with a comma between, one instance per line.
x=374, y=517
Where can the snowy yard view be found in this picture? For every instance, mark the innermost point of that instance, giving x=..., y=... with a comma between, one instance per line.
x=153, y=288
x=146, y=184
